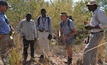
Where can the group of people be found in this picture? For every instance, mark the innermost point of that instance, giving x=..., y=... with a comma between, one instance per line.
x=28, y=27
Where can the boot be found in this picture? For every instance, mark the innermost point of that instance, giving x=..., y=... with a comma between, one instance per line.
x=69, y=61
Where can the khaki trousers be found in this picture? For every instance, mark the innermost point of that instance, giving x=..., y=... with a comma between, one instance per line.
x=5, y=46
x=43, y=42
x=89, y=57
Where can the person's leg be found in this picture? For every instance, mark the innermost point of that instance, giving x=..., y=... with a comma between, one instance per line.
x=40, y=43
x=25, y=48
x=46, y=43
x=69, y=53
x=99, y=37
x=32, y=44
x=89, y=53
x=4, y=56
x=5, y=50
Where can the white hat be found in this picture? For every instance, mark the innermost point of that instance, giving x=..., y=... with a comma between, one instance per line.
x=92, y=2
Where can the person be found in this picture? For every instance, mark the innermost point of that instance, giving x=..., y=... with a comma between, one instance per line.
x=5, y=28
x=44, y=27
x=68, y=31
x=97, y=25
x=26, y=28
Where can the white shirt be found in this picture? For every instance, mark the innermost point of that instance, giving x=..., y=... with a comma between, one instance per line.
x=99, y=18
x=27, y=29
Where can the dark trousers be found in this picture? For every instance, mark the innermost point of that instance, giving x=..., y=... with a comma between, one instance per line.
x=26, y=44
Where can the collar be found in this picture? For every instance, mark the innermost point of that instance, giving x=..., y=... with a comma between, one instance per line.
x=66, y=21
x=96, y=10
x=2, y=13
x=28, y=21
x=46, y=16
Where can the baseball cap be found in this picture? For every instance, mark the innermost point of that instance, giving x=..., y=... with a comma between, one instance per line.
x=43, y=9
x=4, y=3
x=92, y=2
x=63, y=13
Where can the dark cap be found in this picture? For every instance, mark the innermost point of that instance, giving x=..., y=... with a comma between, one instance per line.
x=28, y=14
x=43, y=9
x=63, y=13
x=4, y=3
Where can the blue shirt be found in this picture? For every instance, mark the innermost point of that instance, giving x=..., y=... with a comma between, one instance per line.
x=4, y=24
x=44, y=23
x=67, y=26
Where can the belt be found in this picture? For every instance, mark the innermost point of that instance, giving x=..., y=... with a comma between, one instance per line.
x=96, y=32
x=44, y=31
x=3, y=34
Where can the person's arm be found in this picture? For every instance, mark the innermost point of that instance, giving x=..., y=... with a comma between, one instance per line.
x=37, y=25
x=19, y=27
x=50, y=26
x=34, y=29
x=73, y=33
x=102, y=19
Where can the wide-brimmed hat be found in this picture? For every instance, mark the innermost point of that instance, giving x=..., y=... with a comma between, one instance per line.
x=92, y=2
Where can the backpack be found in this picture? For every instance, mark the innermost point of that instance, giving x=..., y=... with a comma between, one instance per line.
x=39, y=20
x=68, y=23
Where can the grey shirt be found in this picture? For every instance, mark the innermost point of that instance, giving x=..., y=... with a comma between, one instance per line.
x=27, y=29
x=44, y=23
x=99, y=17
x=67, y=26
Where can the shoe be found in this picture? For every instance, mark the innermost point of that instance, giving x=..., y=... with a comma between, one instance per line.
x=32, y=59
x=41, y=58
x=24, y=61
x=69, y=62
x=100, y=62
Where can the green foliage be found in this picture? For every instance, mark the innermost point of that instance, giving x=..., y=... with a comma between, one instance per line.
x=21, y=7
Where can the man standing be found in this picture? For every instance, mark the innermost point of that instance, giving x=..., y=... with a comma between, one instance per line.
x=27, y=29
x=44, y=26
x=97, y=24
x=68, y=32
x=5, y=28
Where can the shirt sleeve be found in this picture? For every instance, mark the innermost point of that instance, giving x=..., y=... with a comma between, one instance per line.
x=72, y=26
x=19, y=27
x=102, y=19
x=50, y=26
x=34, y=29
x=37, y=25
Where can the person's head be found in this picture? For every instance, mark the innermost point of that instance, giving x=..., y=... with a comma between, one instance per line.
x=3, y=6
x=28, y=17
x=64, y=16
x=43, y=12
x=92, y=5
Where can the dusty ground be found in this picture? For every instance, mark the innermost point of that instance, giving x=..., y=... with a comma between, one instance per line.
x=58, y=56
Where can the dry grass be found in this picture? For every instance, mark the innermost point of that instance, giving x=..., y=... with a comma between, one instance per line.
x=57, y=56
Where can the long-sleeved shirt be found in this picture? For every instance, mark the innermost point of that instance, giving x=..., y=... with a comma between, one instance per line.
x=4, y=24
x=99, y=18
x=44, y=23
x=27, y=29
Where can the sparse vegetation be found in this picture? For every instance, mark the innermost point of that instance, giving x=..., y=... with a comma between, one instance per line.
x=54, y=8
